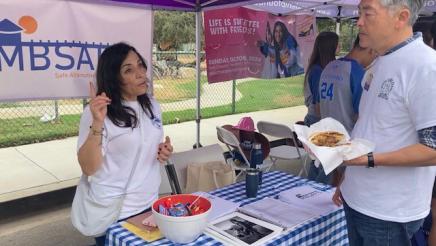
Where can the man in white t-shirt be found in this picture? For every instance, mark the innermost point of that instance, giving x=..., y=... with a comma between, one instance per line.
x=387, y=193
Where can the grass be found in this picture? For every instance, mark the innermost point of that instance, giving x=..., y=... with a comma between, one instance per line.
x=19, y=131
x=175, y=90
x=257, y=95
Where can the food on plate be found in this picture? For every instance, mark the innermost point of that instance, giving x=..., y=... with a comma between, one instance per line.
x=327, y=138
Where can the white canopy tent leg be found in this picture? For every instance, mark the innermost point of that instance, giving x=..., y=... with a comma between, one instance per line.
x=338, y=21
x=198, y=27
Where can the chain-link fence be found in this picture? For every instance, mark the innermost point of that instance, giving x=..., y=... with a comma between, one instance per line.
x=174, y=87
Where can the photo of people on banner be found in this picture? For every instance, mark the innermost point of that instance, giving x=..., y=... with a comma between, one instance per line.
x=242, y=43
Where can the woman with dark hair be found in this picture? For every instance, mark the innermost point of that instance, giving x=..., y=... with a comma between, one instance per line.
x=433, y=34
x=324, y=51
x=425, y=28
x=287, y=51
x=283, y=52
x=120, y=134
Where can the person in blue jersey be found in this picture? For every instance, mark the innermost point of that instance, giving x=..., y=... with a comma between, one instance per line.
x=387, y=193
x=324, y=51
x=339, y=96
x=340, y=85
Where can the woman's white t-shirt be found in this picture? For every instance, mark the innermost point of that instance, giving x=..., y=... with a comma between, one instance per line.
x=120, y=147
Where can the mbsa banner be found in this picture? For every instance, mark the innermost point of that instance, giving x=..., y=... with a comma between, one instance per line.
x=242, y=43
x=49, y=48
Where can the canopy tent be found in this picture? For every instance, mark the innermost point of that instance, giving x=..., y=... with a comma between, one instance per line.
x=338, y=9
x=321, y=8
x=191, y=5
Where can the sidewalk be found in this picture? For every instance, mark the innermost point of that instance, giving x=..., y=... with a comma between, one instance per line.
x=211, y=96
x=37, y=168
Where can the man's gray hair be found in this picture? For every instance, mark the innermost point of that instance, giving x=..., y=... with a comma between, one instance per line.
x=413, y=5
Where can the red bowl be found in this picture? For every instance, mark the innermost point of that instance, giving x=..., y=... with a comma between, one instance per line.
x=202, y=202
x=184, y=229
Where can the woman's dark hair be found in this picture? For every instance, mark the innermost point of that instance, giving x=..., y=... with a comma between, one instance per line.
x=433, y=34
x=425, y=28
x=279, y=44
x=109, y=82
x=285, y=36
x=324, y=51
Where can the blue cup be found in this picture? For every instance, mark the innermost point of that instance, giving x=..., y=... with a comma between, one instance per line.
x=252, y=182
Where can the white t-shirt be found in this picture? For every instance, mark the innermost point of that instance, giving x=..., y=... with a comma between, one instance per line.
x=120, y=146
x=400, y=101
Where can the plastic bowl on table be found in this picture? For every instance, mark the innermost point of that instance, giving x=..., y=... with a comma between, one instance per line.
x=184, y=229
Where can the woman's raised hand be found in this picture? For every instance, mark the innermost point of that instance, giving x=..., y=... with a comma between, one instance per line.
x=165, y=150
x=98, y=104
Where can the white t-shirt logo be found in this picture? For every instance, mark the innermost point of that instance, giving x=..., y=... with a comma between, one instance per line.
x=386, y=88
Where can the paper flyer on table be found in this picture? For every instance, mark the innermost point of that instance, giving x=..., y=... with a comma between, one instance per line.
x=281, y=213
x=220, y=206
x=332, y=157
x=319, y=202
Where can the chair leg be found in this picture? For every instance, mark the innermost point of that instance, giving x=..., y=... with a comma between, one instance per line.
x=232, y=164
x=303, y=167
x=239, y=174
x=273, y=161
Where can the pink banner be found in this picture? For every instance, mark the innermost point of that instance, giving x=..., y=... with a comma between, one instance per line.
x=242, y=43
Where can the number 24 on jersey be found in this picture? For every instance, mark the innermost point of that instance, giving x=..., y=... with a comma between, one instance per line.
x=327, y=91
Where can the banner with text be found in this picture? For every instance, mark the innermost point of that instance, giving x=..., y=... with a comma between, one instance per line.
x=50, y=49
x=242, y=43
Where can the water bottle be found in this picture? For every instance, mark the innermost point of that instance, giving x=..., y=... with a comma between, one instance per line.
x=256, y=158
x=256, y=155
x=252, y=182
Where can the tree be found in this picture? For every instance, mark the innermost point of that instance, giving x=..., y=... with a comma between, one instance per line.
x=348, y=31
x=173, y=28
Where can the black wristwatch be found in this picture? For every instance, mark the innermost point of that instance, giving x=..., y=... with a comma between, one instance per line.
x=370, y=160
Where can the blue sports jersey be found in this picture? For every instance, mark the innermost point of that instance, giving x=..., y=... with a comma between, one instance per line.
x=339, y=91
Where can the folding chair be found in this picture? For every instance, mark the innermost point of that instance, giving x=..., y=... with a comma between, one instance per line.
x=232, y=142
x=178, y=163
x=284, y=152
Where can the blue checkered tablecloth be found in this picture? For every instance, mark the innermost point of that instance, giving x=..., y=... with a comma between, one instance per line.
x=330, y=229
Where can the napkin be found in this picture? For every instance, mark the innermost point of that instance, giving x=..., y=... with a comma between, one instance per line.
x=332, y=157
